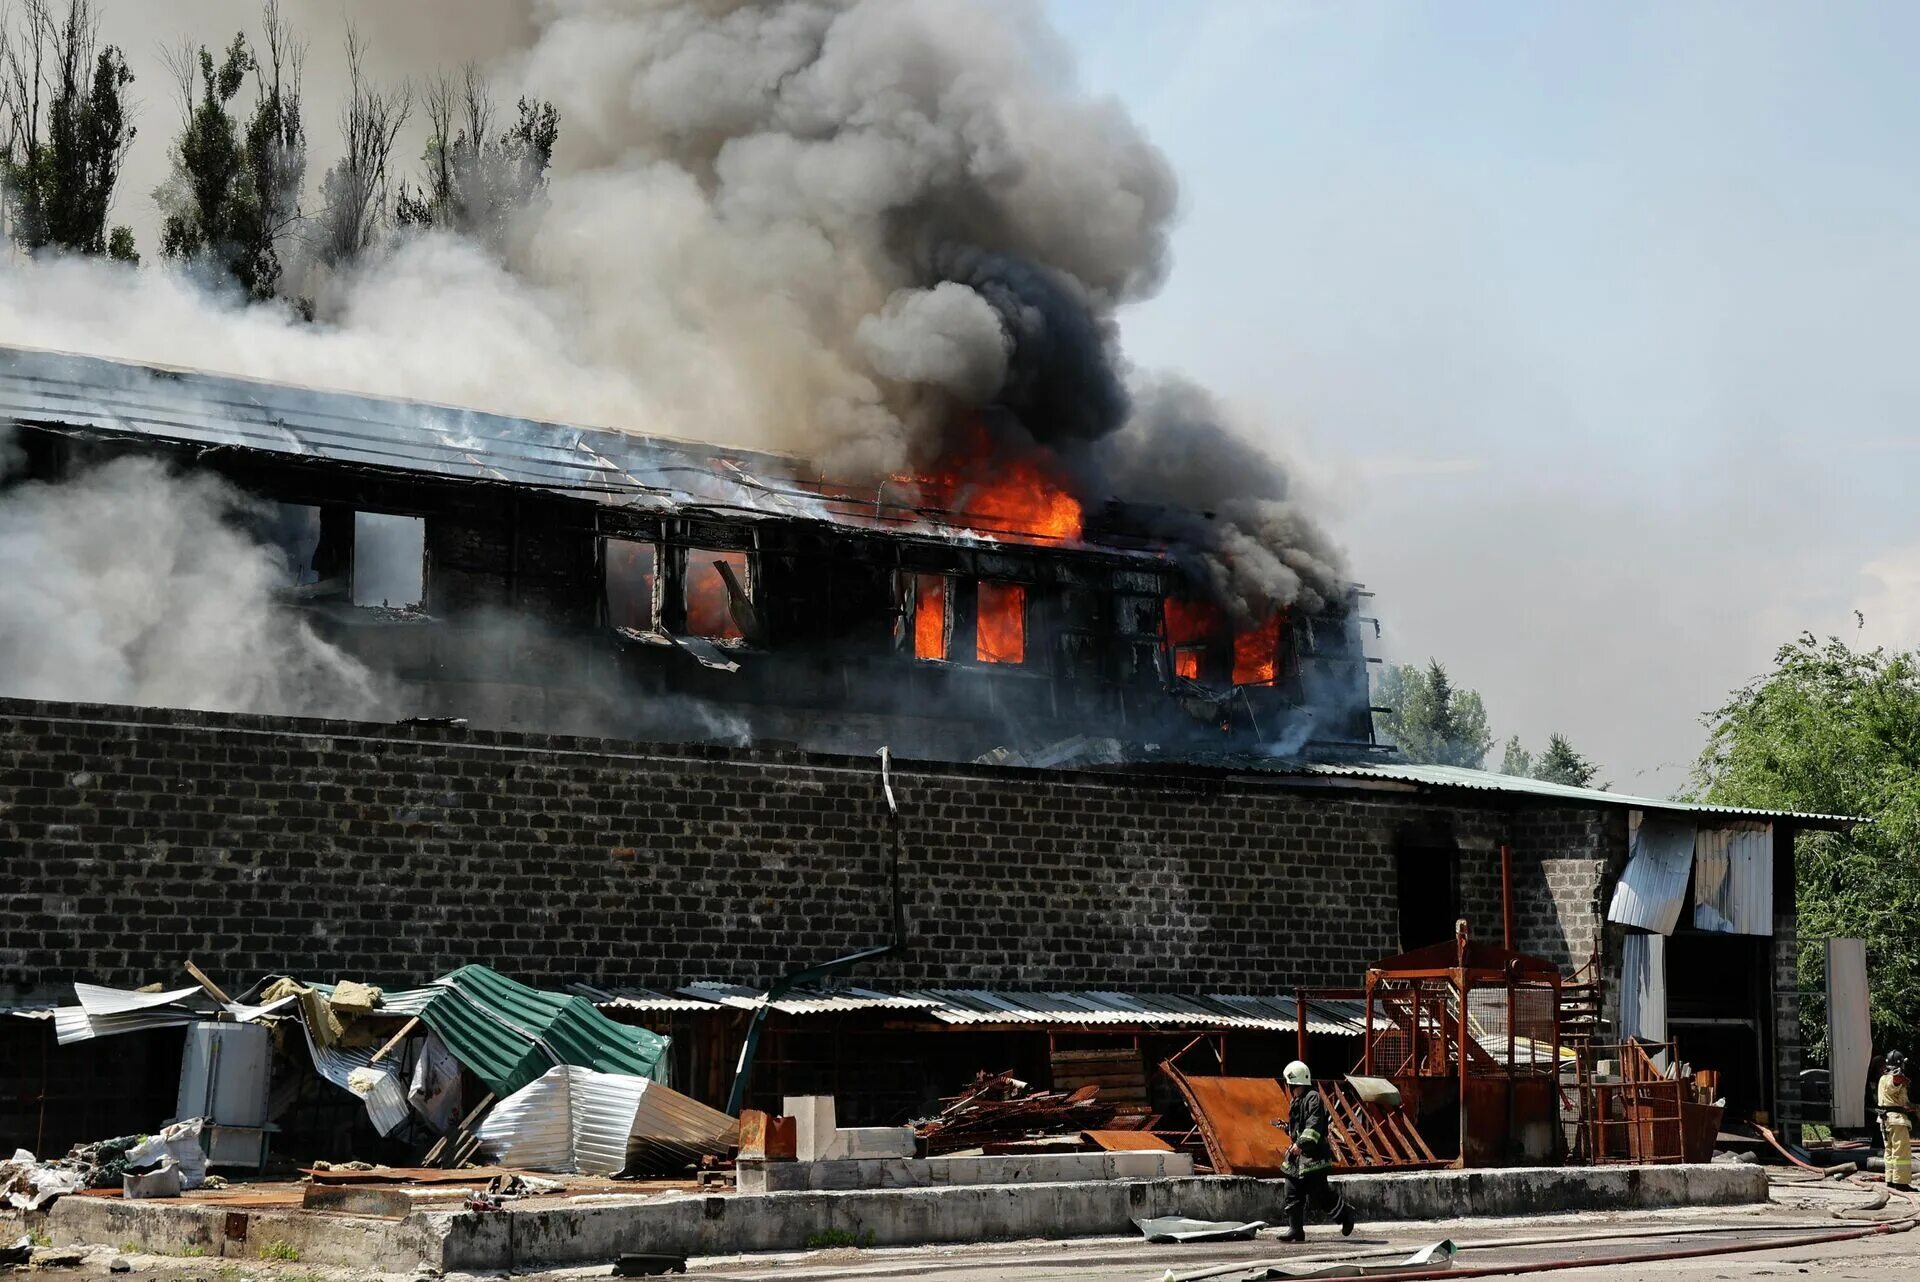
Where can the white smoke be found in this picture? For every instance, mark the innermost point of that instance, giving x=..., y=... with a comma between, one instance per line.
x=131, y=585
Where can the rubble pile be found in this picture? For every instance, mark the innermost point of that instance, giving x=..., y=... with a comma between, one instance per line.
x=998, y=1108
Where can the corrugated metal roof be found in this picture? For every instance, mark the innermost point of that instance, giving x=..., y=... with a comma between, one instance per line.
x=508, y=1034
x=983, y=1006
x=807, y=1001
x=640, y=999
x=1489, y=781
x=1273, y=1013
x=197, y=408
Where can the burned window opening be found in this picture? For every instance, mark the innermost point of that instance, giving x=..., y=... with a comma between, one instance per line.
x=1000, y=622
x=718, y=596
x=630, y=579
x=389, y=560
x=932, y=617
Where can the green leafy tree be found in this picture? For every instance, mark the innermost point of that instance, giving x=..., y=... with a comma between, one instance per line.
x=472, y=181
x=1561, y=764
x=64, y=131
x=233, y=198
x=1837, y=730
x=1431, y=721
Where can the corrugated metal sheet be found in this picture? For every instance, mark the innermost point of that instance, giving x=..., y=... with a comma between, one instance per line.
x=982, y=1006
x=1733, y=879
x=573, y=1120
x=1488, y=781
x=73, y=1024
x=508, y=1034
x=386, y=1102
x=1273, y=1013
x=1653, y=886
x=122, y=399
x=98, y=1000
x=1849, y=1030
x=638, y=999
x=1643, y=987
x=807, y=1002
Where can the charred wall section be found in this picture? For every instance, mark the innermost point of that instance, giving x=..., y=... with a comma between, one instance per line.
x=139, y=836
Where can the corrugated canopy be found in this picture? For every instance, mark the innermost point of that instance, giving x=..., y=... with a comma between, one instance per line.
x=508, y=1034
x=1009, y=1008
x=1519, y=787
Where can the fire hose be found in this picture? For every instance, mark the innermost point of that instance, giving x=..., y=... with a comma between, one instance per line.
x=1900, y=1224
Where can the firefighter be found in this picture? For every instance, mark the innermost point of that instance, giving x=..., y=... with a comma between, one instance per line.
x=1310, y=1160
x=1896, y=1122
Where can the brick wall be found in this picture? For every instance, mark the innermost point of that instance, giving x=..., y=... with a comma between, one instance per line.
x=262, y=845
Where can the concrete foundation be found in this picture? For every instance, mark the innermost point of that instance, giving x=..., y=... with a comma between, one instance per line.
x=937, y=1172
x=547, y=1232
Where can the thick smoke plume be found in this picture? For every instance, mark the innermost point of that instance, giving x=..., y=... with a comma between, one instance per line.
x=826, y=227
x=132, y=585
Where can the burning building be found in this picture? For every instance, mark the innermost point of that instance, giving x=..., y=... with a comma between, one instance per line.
x=535, y=576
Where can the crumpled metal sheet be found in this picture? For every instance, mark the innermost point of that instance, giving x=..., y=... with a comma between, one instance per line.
x=573, y=1120
x=1653, y=886
x=108, y=1012
x=1178, y=1228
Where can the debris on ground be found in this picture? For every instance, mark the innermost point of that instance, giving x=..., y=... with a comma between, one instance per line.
x=999, y=1108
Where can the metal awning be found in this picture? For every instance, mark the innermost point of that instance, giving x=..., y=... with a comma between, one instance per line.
x=1009, y=1008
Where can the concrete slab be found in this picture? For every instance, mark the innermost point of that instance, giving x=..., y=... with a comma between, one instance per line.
x=547, y=1232
x=932, y=1172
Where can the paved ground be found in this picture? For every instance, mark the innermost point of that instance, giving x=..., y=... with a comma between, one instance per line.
x=1797, y=1212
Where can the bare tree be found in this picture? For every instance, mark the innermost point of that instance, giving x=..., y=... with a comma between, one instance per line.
x=474, y=182
x=356, y=188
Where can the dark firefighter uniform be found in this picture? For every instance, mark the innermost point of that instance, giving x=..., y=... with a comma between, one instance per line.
x=1309, y=1166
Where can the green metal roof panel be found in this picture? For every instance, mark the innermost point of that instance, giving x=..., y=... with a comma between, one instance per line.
x=507, y=1033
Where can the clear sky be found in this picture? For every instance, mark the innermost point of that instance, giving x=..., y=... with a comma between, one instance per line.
x=1592, y=324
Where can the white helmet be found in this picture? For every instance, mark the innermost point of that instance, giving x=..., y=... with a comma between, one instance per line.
x=1297, y=1074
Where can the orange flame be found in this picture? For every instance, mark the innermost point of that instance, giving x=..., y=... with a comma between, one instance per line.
x=1008, y=495
x=1256, y=653
x=1000, y=627
x=930, y=616
x=1191, y=627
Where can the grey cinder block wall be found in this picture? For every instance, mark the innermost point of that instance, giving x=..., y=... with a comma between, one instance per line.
x=136, y=837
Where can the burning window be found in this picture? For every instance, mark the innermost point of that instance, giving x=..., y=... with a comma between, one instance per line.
x=929, y=616
x=630, y=579
x=1000, y=623
x=1256, y=653
x=389, y=559
x=717, y=594
x=1193, y=628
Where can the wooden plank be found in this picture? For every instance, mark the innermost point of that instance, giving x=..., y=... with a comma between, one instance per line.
x=213, y=989
x=395, y=1040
